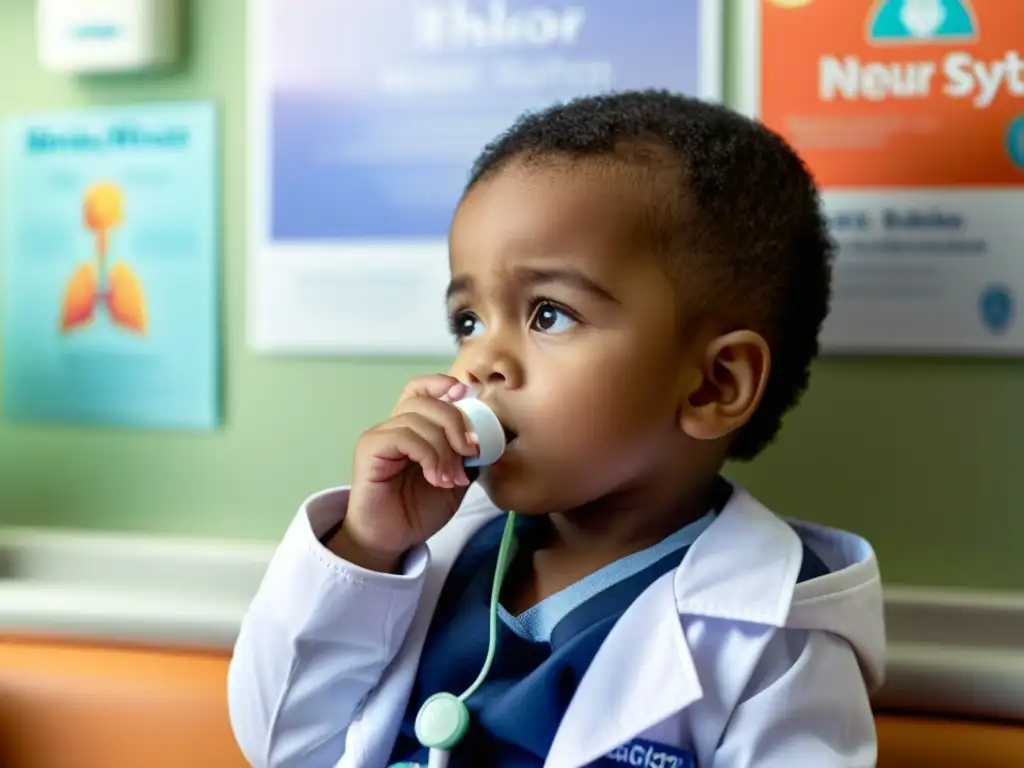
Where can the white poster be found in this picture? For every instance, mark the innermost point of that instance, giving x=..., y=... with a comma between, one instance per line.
x=367, y=117
x=910, y=113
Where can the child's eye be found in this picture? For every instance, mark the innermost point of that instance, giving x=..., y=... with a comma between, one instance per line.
x=550, y=318
x=464, y=324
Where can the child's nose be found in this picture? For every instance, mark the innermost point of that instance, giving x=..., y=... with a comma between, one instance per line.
x=491, y=366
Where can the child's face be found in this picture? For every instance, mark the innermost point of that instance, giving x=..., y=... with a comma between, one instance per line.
x=571, y=330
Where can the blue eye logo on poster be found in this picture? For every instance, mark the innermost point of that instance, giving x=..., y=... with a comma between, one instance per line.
x=378, y=109
x=996, y=308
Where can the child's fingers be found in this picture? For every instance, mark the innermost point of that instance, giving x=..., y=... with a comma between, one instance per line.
x=443, y=467
x=448, y=417
x=450, y=460
x=433, y=386
x=402, y=443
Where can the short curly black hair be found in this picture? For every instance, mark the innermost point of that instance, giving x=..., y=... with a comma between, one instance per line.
x=741, y=219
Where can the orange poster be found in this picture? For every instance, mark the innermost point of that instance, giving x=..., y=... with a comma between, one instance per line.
x=910, y=114
x=896, y=93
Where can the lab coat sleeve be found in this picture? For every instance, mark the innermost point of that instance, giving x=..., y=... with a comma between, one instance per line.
x=315, y=641
x=806, y=706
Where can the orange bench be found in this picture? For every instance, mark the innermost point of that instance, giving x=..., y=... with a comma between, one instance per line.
x=88, y=706
x=91, y=706
x=932, y=742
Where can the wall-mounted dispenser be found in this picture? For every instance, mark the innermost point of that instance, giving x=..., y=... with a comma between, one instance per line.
x=108, y=36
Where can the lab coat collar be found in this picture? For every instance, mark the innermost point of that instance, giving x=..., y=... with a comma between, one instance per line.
x=742, y=568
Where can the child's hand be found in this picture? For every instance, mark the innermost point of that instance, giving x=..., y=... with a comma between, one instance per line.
x=407, y=477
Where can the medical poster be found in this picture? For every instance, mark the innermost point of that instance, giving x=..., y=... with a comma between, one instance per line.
x=111, y=306
x=367, y=118
x=910, y=113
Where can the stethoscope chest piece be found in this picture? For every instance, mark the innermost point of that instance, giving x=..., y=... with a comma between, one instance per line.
x=442, y=721
x=441, y=724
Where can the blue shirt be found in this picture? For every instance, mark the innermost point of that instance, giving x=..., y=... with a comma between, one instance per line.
x=541, y=655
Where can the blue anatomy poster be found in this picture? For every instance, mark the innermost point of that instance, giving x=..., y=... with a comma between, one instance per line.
x=111, y=312
x=369, y=115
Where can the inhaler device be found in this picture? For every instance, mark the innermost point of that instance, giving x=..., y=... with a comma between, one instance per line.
x=484, y=428
x=443, y=719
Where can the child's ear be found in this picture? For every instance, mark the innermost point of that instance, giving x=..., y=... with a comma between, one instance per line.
x=728, y=385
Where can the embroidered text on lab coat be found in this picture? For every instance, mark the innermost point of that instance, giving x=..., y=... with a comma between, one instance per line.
x=648, y=754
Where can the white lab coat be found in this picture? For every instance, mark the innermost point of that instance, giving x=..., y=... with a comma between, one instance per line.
x=726, y=656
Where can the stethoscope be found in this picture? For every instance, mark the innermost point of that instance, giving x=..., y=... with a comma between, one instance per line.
x=443, y=720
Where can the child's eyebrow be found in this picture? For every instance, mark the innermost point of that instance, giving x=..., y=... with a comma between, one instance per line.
x=463, y=284
x=531, y=277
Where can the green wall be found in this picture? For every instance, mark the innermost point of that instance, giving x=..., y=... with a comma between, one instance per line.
x=921, y=456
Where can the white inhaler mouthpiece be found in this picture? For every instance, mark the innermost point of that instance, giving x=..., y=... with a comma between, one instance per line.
x=484, y=427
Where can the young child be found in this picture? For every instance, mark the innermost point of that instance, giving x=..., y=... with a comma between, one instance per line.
x=637, y=285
